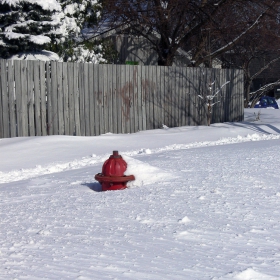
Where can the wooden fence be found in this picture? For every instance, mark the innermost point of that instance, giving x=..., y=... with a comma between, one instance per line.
x=52, y=98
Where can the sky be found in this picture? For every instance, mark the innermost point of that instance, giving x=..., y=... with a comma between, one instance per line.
x=205, y=204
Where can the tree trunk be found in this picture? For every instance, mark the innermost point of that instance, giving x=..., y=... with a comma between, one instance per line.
x=247, y=93
x=165, y=58
x=166, y=53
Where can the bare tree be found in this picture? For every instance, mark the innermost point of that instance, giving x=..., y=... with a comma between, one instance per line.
x=199, y=26
x=255, y=53
x=212, y=93
x=261, y=91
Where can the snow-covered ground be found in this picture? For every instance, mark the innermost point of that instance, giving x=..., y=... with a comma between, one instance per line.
x=205, y=204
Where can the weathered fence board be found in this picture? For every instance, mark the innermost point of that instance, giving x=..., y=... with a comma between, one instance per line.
x=96, y=102
x=70, y=100
x=60, y=99
x=103, y=98
x=50, y=98
x=143, y=99
x=37, y=101
x=76, y=94
x=90, y=101
x=4, y=100
x=30, y=99
x=54, y=99
x=86, y=100
x=65, y=94
x=12, y=108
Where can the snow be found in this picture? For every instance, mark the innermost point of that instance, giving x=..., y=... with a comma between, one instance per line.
x=45, y=4
x=71, y=8
x=204, y=205
x=10, y=2
x=39, y=55
x=14, y=35
x=40, y=39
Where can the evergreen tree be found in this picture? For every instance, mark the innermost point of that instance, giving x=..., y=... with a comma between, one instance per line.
x=75, y=16
x=40, y=29
x=27, y=26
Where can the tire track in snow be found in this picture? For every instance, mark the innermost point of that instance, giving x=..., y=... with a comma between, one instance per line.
x=23, y=174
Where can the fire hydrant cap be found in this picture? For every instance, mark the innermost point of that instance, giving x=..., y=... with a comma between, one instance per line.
x=115, y=155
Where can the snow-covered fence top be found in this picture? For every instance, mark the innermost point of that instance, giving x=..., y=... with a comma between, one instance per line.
x=54, y=98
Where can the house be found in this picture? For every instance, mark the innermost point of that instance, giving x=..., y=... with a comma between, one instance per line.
x=135, y=49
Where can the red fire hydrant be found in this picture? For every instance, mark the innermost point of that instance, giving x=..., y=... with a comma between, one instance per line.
x=112, y=176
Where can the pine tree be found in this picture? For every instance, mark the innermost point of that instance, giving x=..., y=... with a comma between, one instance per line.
x=27, y=26
x=38, y=29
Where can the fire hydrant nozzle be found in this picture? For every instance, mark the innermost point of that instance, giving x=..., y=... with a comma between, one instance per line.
x=115, y=155
x=112, y=176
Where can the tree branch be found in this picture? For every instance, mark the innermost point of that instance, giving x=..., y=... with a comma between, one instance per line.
x=230, y=44
x=263, y=68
